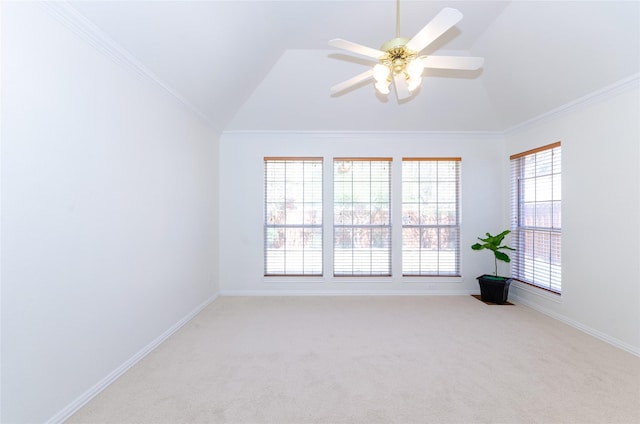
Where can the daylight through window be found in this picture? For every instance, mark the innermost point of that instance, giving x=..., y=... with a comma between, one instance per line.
x=362, y=216
x=430, y=216
x=536, y=216
x=293, y=216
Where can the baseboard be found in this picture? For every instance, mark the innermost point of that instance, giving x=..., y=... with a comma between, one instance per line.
x=575, y=324
x=253, y=293
x=74, y=406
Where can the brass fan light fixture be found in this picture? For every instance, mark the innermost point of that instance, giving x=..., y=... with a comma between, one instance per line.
x=398, y=59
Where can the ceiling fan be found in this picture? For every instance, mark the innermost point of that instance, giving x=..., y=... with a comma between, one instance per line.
x=398, y=59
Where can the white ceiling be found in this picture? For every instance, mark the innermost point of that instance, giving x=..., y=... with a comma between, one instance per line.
x=266, y=65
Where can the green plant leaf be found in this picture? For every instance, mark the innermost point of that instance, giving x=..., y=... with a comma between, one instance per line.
x=501, y=256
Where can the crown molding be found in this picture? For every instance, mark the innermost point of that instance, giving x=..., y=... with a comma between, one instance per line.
x=341, y=134
x=595, y=96
x=77, y=23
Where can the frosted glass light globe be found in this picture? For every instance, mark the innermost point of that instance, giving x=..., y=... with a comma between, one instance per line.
x=382, y=87
x=380, y=72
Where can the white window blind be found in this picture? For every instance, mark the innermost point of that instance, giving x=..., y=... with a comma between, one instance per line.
x=293, y=216
x=431, y=216
x=362, y=216
x=536, y=216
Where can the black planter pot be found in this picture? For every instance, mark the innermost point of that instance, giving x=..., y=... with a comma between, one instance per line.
x=494, y=289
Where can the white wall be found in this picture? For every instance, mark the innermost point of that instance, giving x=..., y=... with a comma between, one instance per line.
x=241, y=206
x=600, y=210
x=109, y=217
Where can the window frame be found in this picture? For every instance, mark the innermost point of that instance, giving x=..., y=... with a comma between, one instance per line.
x=527, y=264
x=316, y=227
x=440, y=228
x=384, y=231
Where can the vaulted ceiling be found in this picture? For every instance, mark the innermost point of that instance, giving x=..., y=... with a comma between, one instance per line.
x=266, y=65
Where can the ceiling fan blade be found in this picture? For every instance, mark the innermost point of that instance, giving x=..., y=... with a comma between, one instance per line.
x=402, y=87
x=352, y=81
x=356, y=48
x=452, y=62
x=444, y=20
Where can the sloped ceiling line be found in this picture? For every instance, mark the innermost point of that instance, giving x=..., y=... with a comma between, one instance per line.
x=87, y=31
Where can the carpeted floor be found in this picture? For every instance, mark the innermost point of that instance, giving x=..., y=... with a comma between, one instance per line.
x=438, y=359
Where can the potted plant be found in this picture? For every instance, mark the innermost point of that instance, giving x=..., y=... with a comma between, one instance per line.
x=494, y=288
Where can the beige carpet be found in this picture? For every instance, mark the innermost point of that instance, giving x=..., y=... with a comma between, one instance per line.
x=374, y=360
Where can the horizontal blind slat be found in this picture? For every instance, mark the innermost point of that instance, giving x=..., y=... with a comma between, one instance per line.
x=293, y=216
x=430, y=216
x=536, y=216
x=536, y=150
x=362, y=217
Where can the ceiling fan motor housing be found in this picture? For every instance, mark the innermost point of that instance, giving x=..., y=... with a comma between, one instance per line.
x=394, y=43
x=397, y=56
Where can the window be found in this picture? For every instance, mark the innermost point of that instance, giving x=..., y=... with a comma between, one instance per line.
x=293, y=216
x=536, y=216
x=362, y=216
x=430, y=216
